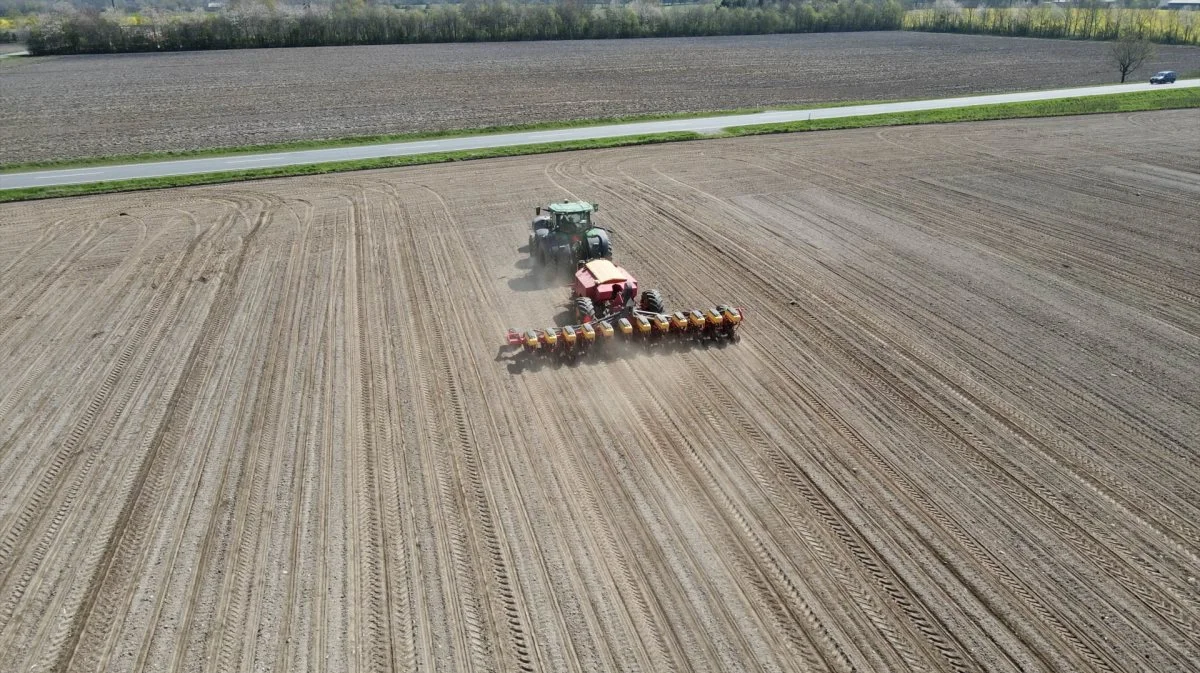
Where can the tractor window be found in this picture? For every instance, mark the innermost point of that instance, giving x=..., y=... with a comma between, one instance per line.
x=572, y=221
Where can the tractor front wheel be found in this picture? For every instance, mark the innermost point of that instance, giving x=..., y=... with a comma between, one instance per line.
x=538, y=245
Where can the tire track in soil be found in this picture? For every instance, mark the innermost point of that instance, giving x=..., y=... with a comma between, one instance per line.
x=698, y=626
x=164, y=510
x=616, y=195
x=936, y=215
x=843, y=306
x=612, y=194
x=67, y=462
x=1100, y=479
x=69, y=522
x=940, y=644
x=117, y=288
x=791, y=605
x=471, y=650
x=369, y=539
x=771, y=564
x=272, y=612
x=1042, y=450
x=842, y=429
x=232, y=549
x=406, y=625
x=128, y=533
x=502, y=582
x=1096, y=552
x=228, y=413
x=639, y=604
x=326, y=536
x=298, y=591
x=428, y=608
x=642, y=613
x=78, y=251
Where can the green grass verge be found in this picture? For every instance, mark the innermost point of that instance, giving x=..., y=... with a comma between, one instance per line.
x=354, y=141
x=31, y=193
x=1164, y=99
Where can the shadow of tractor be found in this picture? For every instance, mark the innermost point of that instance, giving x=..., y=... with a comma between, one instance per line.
x=537, y=276
x=518, y=361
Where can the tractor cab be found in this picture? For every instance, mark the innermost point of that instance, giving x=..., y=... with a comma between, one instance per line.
x=572, y=218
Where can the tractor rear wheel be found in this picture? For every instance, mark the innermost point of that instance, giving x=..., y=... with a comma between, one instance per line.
x=585, y=311
x=604, y=249
x=652, y=301
x=596, y=245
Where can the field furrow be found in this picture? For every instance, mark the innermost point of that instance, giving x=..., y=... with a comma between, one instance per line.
x=272, y=425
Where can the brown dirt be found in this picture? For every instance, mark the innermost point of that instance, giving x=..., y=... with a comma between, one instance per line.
x=71, y=107
x=267, y=426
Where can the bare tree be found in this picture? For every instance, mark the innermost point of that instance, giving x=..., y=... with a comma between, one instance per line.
x=1129, y=54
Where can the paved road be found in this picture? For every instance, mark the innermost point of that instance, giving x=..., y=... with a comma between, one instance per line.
x=73, y=176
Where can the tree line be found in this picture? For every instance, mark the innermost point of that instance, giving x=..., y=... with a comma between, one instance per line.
x=1090, y=22
x=349, y=22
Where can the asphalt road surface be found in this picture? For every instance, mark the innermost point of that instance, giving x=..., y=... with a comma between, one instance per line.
x=72, y=176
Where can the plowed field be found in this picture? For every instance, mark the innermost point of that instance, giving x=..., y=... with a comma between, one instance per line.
x=79, y=106
x=268, y=427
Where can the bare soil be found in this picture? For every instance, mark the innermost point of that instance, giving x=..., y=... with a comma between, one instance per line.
x=268, y=426
x=72, y=107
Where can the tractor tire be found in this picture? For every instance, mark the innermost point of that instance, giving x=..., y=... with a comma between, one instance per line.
x=652, y=301
x=596, y=246
x=585, y=311
x=539, y=246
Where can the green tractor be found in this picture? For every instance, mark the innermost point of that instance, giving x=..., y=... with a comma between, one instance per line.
x=563, y=235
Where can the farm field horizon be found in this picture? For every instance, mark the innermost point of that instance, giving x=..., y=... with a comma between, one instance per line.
x=269, y=425
x=96, y=106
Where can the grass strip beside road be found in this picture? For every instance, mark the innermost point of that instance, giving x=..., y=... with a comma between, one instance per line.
x=1164, y=99
x=164, y=182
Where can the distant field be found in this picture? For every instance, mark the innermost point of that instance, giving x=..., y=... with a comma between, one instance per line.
x=72, y=107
